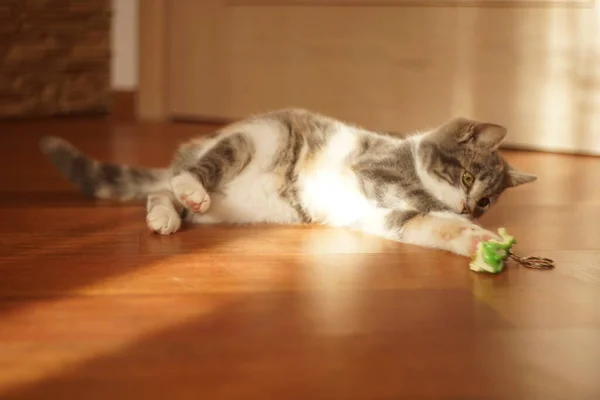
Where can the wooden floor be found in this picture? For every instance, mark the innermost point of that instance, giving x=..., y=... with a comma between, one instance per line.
x=94, y=306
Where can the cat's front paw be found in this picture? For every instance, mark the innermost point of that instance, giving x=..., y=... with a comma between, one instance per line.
x=479, y=237
x=470, y=238
x=190, y=193
x=164, y=220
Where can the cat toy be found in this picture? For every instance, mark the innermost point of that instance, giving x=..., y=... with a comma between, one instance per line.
x=491, y=255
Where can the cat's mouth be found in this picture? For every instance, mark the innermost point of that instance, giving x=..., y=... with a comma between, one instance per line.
x=471, y=215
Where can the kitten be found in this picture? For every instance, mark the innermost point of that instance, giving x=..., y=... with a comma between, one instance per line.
x=295, y=166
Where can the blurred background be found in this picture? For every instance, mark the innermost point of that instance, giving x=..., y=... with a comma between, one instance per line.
x=393, y=65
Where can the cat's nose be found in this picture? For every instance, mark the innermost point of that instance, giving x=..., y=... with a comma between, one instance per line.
x=465, y=210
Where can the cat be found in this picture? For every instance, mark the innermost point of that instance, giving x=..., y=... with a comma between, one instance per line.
x=295, y=166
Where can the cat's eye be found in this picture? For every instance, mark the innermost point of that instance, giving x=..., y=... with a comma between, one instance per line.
x=483, y=202
x=467, y=179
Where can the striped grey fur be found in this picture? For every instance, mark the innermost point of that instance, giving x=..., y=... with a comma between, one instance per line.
x=382, y=167
x=222, y=162
x=100, y=179
x=287, y=162
x=302, y=130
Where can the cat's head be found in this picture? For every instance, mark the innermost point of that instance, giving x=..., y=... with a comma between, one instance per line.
x=464, y=168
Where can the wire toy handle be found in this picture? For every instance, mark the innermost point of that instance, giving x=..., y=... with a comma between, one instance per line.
x=532, y=261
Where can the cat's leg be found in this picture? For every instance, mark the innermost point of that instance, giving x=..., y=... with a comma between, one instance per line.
x=441, y=230
x=163, y=213
x=220, y=163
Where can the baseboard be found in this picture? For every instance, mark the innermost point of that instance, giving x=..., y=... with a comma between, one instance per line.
x=124, y=105
x=550, y=150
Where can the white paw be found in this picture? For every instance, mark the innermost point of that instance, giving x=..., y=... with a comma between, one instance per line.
x=190, y=193
x=466, y=243
x=162, y=219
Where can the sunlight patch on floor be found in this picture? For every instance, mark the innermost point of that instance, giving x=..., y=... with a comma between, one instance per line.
x=48, y=336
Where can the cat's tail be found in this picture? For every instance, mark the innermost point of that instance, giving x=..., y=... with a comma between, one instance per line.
x=99, y=179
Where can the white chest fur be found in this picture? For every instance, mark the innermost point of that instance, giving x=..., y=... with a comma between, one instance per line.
x=329, y=189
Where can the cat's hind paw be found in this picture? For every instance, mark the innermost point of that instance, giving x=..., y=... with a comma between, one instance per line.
x=190, y=193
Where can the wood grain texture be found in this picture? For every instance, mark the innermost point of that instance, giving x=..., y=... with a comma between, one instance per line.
x=94, y=306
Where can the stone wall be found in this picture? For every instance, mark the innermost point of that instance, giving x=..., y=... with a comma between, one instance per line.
x=54, y=57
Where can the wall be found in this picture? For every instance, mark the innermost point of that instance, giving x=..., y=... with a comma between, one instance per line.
x=124, y=44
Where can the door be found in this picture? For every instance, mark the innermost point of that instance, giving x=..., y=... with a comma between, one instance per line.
x=393, y=65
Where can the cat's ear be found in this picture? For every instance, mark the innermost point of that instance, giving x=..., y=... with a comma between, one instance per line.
x=483, y=135
x=515, y=177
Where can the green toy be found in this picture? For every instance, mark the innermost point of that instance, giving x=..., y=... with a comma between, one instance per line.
x=491, y=255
